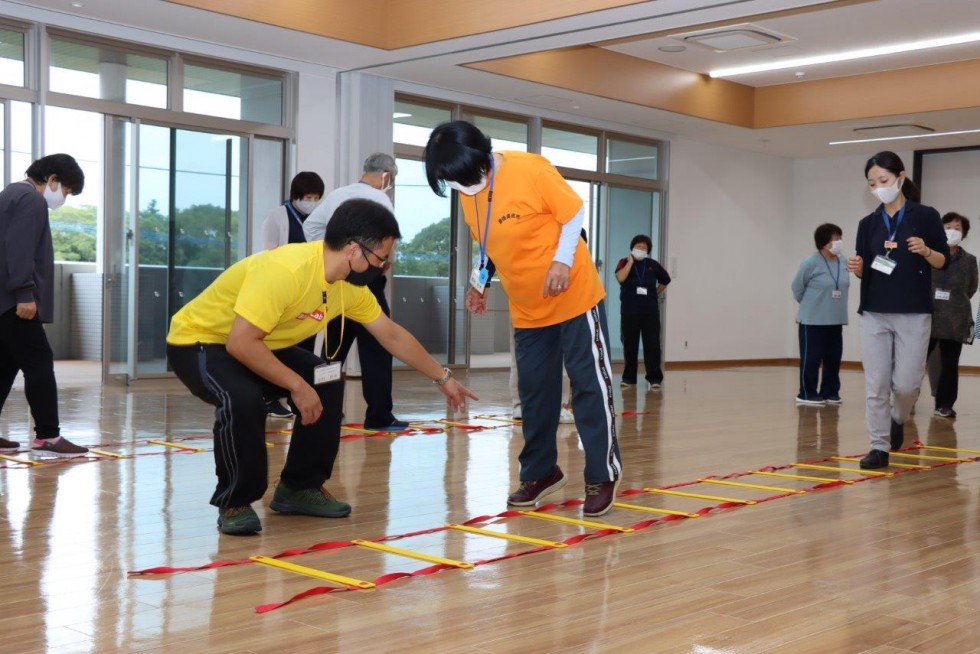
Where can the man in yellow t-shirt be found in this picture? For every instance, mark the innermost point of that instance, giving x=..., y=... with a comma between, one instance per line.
x=528, y=222
x=236, y=343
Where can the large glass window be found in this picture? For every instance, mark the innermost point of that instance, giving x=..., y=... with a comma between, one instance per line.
x=569, y=149
x=21, y=138
x=631, y=158
x=107, y=73
x=11, y=57
x=232, y=94
x=414, y=122
x=74, y=227
x=504, y=134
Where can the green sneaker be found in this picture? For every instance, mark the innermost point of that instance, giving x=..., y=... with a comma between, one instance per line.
x=239, y=521
x=308, y=501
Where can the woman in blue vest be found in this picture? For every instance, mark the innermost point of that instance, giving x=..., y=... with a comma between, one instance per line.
x=641, y=280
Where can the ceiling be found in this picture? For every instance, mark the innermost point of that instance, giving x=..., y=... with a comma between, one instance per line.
x=601, y=59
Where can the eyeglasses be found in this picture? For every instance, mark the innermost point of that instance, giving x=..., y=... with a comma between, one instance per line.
x=384, y=262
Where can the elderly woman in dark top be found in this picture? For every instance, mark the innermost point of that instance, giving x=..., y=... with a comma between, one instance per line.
x=952, y=317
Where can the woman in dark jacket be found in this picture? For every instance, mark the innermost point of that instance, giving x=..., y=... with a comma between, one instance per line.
x=641, y=280
x=952, y=316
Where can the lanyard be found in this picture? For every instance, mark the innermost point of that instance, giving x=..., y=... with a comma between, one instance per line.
x=636, y=266
x=486, y=227
x=898, y=221
x=837, y=278
x=340, y=343
x=291, y=210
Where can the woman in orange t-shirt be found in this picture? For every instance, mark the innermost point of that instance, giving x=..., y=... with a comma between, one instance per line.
x=528, y=221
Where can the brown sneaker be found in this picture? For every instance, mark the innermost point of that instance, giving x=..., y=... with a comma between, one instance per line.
x=63, y=448
x=599, y=497
x=530, y=492
x=8, y=446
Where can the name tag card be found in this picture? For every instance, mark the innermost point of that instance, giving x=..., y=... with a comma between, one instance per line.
x=942, y=294
x=884, y=265
x=326, y=373
x=478, y=279
x=836, y=294
x=641, y=290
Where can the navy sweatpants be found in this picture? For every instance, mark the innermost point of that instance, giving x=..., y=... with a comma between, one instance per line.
x=583, y=343
x=820, y=344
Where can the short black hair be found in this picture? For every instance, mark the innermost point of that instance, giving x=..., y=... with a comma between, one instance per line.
x=63, y=166
x=456, y=152
x=825, y=234
x=305, y=183
x=964, y=221
x=364, y=221
x=642, y=238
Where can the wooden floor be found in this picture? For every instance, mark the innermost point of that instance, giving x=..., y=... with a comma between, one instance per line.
x=887, y=565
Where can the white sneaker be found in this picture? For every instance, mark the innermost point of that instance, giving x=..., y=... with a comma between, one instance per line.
x=653, y=387
x=566, y=417
x=517, y=412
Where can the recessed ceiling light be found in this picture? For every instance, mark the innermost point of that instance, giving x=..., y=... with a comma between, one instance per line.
x=800, y=74
x=78, y=5
x=400, y=114
x=864, y=53
x=907, y=136
x=672, y=48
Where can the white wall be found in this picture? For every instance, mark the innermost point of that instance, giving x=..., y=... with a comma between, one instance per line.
x=729, y=223
x=830, y=190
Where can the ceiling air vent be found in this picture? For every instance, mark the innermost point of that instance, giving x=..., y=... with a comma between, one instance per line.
x=734, y=37
x=902, y=129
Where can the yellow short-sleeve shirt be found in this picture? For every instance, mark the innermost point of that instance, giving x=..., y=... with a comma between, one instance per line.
x=531, y=202
x=282, y=292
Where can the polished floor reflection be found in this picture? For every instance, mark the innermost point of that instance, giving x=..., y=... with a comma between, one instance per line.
x=888, y=565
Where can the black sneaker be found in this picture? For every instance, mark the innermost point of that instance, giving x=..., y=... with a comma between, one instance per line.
x=317, y=502
x=833, y=399
x=8, y=446
x=394, y=425
x=275, y=409
x=874, y=459
x=810, y=401
x=943, y=412
x=239, y=521
x=898, y=436
x=530, y=492
x=59, y=447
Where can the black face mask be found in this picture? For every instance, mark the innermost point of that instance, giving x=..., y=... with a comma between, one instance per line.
x=364, y=277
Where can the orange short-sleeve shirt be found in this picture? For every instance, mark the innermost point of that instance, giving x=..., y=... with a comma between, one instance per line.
x=531, y=202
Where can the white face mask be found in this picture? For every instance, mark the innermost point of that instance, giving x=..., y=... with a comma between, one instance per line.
x=469, y=190
x=836, y=247
x=953, y=237
x=638, y=254
x=888, y=194
x=305, y=206
x=54, y=198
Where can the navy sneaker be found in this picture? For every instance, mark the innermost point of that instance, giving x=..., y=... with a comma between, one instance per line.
x=833, y=399
x=394, y=425
x=275, y=409
x=874, y=459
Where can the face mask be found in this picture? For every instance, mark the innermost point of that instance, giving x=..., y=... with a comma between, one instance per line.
x=887, y=194
x=836, y=247
x=469, y=190
x=953, y=237
x=305, y=206
x=638, y=254
x=364, y=277
x=54, y=198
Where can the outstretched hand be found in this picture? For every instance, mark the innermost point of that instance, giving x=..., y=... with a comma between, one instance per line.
x=456, y=393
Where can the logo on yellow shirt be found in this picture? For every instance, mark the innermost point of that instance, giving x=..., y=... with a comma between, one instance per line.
x=507, y=216
x=316, y=315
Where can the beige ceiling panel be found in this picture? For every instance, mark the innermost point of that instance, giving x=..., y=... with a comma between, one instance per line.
x=393, y=24
x=616, y=76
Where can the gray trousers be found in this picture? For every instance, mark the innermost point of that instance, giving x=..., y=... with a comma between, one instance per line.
x=893, y=351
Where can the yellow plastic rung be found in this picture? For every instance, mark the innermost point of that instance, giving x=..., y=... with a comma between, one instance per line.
x=369, y=431
x=177, y=446
x=911, y=466
x=783, y=475
x=575, y=521
x=457, y=424
x=410, y=554
x=513, y=537
x=699, y=496
x=948, y=449
x=111, y=455
x=652, y=509
x=26, y=462
x=725, y=482
x=856, y=471
x=312, y=572
x=928, y=458
x=510, y=420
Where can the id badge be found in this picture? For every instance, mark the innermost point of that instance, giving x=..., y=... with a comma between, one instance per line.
x=478, y=279
x=836, y=294
x=326, y=372
x=641, y=290
x=883, y=265
x=942, y=294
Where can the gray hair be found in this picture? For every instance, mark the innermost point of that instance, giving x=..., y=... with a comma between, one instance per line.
x=379, y=162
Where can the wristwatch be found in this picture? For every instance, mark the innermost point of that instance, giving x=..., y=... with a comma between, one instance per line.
x=447, y=375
